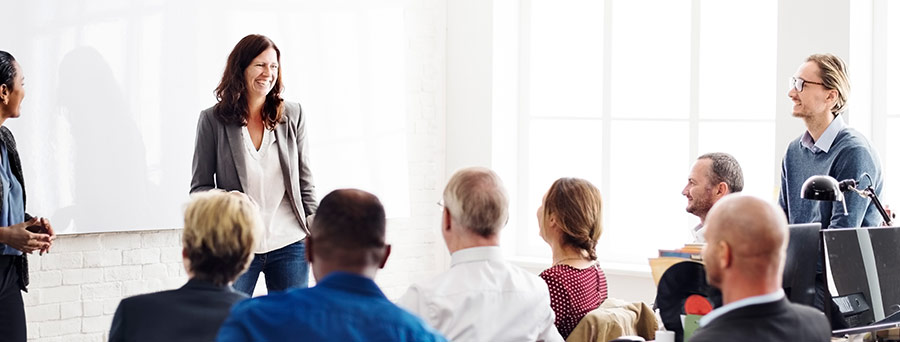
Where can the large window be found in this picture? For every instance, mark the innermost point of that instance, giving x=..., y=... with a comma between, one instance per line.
x=627, y=94
x=889, y=147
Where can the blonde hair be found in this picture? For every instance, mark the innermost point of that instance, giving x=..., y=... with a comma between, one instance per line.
x=833, y=72
x=577, y=206
x=476, y=199
x=220, y=230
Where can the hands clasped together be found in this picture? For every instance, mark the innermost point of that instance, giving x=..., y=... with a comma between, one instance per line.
x=29, y=236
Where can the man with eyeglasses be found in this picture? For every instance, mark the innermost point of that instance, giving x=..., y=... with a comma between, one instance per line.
x=482, y=297
x=820, y=89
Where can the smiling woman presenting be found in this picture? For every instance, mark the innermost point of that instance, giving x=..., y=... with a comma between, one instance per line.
x=254, y=142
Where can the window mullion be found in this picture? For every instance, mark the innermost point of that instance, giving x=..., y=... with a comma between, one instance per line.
x=694, y=111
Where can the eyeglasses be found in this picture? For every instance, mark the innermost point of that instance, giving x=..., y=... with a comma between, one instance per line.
x=440, y=203
x=797, y=83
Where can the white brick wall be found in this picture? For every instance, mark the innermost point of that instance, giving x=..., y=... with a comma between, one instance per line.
x=75, y=289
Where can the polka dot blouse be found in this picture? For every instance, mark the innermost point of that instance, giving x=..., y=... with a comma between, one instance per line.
x=573, y=293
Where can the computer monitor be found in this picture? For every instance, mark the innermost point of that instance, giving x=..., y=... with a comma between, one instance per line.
x=863, y=270
x=799, y=280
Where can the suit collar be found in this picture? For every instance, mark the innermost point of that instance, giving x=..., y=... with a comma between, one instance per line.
x=762, y=306
x=205, y=285
x=233, y=132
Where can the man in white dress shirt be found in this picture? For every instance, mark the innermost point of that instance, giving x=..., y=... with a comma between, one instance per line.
x=482, y=297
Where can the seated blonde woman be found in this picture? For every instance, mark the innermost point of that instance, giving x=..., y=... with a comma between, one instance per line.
x=220, y=231
x=570, y=222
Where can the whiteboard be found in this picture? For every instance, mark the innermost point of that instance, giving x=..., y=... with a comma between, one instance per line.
x=114, y=89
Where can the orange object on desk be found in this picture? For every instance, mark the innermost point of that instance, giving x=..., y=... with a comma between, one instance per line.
x=697, y=305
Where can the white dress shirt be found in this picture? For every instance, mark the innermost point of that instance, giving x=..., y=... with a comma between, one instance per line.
x=482, y=297
x=697, y=233
x=265, y=185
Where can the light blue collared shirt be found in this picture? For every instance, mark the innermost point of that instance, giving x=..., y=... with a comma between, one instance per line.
x=12, y=202
x=827, y=138
x=766, y=298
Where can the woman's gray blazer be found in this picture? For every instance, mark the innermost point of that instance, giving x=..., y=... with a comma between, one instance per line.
x=219, y=160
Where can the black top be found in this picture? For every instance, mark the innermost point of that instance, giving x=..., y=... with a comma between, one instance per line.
x=192, y=313
x=771, y=322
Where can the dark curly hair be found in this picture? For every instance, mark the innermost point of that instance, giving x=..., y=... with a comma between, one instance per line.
x=232, y=90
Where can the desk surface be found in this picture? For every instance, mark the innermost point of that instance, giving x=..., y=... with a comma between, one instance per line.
x=892, y=334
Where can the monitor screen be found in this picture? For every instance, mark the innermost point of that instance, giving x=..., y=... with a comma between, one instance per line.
x=800, y=263
x=863, y=268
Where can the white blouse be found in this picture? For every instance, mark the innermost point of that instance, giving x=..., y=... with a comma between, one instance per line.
x=265, y=185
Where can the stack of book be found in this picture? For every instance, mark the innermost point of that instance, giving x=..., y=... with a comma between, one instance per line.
x=689, y=251
x=668, y=257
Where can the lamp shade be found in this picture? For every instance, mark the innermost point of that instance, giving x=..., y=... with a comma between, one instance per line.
x=821, y=188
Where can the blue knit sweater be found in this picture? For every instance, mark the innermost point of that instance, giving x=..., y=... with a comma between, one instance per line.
x=850, y=156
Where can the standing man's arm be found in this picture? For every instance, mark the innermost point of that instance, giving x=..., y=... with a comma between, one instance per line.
x=852, y=164
x=783, y=192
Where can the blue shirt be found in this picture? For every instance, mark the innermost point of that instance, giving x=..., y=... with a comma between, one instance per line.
x=842, y=153
x=12, y=204
x=341, y=307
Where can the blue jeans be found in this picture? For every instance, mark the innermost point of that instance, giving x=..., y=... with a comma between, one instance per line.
x=285, y=268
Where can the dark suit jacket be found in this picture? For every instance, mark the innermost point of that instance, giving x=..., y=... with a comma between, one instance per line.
x=192, y=313
x=770, y=322
x=219, y=159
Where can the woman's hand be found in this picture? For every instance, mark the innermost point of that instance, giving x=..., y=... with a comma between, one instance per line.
x=18, y=237
x=48, y=229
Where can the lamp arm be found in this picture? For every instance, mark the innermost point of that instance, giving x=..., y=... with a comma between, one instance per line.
x=870, y=192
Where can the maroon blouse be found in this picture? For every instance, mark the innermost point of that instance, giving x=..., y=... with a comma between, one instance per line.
x=573, y=293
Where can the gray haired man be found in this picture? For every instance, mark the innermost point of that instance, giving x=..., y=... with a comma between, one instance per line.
x=713, y=176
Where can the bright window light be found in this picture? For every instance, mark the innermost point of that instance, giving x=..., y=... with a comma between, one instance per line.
x=638, y=144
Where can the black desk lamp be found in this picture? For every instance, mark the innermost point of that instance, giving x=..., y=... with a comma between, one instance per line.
x=826, y=188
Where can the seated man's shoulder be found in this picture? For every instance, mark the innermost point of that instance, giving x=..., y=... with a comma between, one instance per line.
x=712, y=335
x=527, y=279
x=416, y=328
x=148, y=299
x=811, y=317
x=274, y=302
x=796, y=321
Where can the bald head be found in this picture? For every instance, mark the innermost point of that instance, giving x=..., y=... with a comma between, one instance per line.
x=746, y=235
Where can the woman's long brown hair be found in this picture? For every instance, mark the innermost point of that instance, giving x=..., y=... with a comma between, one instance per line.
x=577, y=206
x=232, y=90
